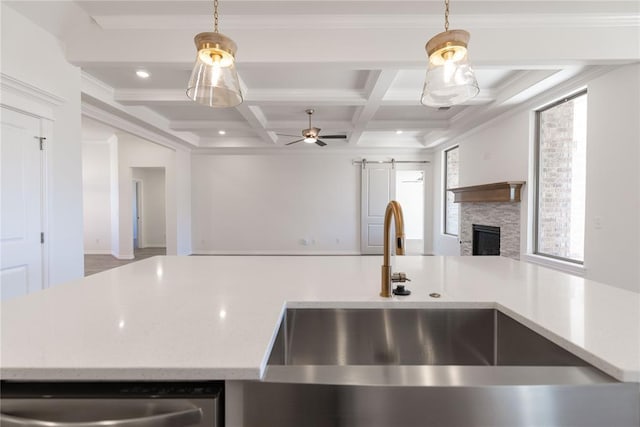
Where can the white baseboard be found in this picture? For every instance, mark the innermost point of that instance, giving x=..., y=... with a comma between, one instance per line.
x=152, y=245
x=274, y=252
x=97, y=251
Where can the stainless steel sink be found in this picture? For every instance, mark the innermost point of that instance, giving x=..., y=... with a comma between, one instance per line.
x=420, y=367
x=342, y=337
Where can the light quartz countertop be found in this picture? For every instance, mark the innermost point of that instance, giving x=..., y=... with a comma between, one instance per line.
x=216, y=317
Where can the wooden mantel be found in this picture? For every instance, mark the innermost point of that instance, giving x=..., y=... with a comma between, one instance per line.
x=508, y=191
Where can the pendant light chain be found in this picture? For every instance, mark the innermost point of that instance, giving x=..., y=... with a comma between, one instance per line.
x=215, y=15
x=446, y=15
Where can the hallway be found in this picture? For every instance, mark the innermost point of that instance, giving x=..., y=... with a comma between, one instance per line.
x=97, y=263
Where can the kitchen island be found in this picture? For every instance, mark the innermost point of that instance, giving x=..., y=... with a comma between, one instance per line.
x=183, y=318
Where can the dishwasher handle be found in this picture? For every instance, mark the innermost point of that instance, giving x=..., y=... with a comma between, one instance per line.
x=182, y=418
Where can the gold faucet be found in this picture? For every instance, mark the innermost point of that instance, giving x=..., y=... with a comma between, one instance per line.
x=393, y=209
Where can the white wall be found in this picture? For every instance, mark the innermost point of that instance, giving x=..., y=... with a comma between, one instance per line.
x=612, y=237
x=96, y=190
x=48, y=70
x=183, y=202
x=265, y=203
x=153, y=208
x=502, y=151
x=270, y=203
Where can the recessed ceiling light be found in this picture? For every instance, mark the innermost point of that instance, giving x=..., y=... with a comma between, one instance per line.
x=222, y=132
x=143, y=74
x=398, y=132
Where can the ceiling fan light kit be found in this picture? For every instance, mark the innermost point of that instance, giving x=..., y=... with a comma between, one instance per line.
x=450, y=79
x=214, y=79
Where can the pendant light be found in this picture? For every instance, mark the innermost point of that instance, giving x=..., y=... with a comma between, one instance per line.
x=450, y=79
x=214, y=80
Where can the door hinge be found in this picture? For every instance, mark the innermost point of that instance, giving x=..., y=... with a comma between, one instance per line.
x=42, y=139
x=42, y=238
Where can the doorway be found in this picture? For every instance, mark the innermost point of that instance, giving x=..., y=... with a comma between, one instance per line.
x=136, y=203
x=380, y=183
x=410, y=195
x=148, y=208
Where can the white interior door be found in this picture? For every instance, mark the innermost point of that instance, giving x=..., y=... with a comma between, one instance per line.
x=377, y=189
x=21, y=205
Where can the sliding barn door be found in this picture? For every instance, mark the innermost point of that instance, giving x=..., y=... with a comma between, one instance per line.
x=377, y=189
x=20, y=206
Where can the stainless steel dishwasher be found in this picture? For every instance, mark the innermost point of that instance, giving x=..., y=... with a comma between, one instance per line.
x=105, y=404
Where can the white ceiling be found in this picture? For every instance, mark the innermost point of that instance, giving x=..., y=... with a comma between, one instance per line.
x=360, y=64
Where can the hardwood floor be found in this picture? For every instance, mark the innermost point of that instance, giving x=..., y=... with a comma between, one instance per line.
x=96, y=263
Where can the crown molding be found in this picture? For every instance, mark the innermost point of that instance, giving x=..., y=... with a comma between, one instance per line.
x=100, y=115
x=337, y=22
x=8, y=83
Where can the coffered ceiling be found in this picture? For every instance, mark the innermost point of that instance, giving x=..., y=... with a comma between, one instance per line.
x=360, y=64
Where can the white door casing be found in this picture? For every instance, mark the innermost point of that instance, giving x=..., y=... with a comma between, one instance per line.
x=377, y=189
x=21, y=205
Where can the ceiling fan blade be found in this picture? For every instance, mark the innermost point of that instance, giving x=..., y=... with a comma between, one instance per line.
x=293, y=142
x=284, y=134
x=334, y=136
x=320, y=143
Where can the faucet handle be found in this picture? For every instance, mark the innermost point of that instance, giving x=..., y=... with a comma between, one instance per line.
x=399, y=277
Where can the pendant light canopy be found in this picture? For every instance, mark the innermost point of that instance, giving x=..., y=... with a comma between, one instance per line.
x=214, y=80
x=450, y=79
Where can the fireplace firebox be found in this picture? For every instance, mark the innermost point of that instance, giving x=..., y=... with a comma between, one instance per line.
x=486, y=240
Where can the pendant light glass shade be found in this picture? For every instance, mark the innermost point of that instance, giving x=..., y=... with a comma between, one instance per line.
x=214, y=80
x=450, y=80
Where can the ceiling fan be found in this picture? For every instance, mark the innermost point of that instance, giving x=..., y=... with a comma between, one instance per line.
x=312, y=135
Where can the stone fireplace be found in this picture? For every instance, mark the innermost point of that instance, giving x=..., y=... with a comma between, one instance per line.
x=495, y=206
x=504, y=215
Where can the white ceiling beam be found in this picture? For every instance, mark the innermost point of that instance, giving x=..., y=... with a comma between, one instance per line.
x=256, y=119
x=314, y=97
x=123, y=124
x=412, y=97
x=405, y=125
x=293, y=127
x=145, y=96
x=233, y=142
x=287, y=125
x=195, y=125
x=377, y=86
x=333, y=21
x=488, y=46
x=101, y=96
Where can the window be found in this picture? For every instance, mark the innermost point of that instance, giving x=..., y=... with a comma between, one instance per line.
x=451, y=167
x=561, y=130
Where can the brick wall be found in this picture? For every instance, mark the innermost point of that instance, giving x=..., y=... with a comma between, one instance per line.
x=452, y=180
x=555, y=180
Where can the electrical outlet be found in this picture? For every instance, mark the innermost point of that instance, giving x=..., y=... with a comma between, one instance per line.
x=597, y=223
